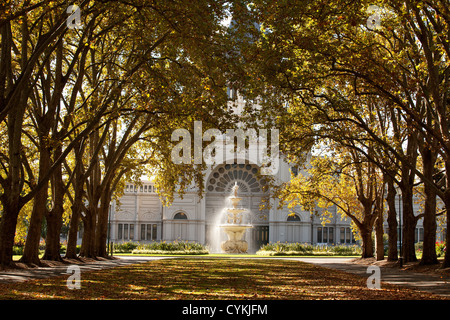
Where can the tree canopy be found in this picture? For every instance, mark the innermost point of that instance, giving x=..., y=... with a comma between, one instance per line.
x=82, y=108
x=91, y=92
x=374, y=80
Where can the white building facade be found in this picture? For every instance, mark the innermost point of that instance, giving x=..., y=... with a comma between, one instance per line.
x=141, y=217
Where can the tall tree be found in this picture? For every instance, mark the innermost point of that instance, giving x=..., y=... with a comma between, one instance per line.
x=346, y=181
x=397, y=51
x=76, y=80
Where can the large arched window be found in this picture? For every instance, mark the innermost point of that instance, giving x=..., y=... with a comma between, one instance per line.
x=293, y=228
x=293, y=218
x=223, y=178
x=180, y=216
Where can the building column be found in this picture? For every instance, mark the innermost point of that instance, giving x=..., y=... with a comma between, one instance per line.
x=136, y=215
x=202, y=224
x=272, y=218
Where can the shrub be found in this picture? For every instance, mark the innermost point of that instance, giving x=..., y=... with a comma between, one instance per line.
x=63, y=249
x=278, y=248
x=176, y=247
x=285, y=247
x=125, y=247
x=344, y=250
x=173, y=252
x=440, y=248
x=18, y=250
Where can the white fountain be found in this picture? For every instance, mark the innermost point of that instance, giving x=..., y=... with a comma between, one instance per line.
x=234, y=228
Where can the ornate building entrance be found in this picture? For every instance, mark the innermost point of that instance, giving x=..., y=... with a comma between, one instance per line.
x=252, y=190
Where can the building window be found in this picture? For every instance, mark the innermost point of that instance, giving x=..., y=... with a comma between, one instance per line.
x=294, y=171
x=125, y=231
x=143, y=232
x=260, y=235
x=154, y=231
x=325, y=235
x=418, y=235
x=293, y=228
x=231, y=93
x=224, y=177
x=149, y=231
x=346, y=235
x=119, y=231
x=180, y=216
x=294, y=218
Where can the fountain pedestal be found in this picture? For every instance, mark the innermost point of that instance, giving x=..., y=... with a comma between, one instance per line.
x=235, y=242
x=234, y=228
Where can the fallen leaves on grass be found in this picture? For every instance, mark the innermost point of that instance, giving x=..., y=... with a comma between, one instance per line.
x=202, y=278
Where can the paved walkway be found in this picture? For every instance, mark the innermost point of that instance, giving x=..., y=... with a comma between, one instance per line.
x=431, y=283
x=425, y=282
x=18, y=275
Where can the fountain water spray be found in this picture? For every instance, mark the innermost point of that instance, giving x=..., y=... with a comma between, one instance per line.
x=234, y=228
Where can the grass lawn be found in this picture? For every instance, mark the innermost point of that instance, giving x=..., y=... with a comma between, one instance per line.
x=237, y=255
x=203, y=278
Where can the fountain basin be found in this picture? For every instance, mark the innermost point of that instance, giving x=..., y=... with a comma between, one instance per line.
x=234, y=228
x=235, y=242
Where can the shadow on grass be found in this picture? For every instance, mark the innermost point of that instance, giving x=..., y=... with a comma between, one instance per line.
x=185, y=278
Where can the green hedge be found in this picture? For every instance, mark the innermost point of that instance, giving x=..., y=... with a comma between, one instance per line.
x=174, y=252
x=125, y=247
x=18, y=250
x=440, y=248
x=304, y=249
x=163, y=247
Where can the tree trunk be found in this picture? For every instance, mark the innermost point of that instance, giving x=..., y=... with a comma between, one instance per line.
x=31, y=250
x=102, y=223
x=93, y=187
x=392, y=220
x=409, y=226
x=7, y=232
x=12, y=188
x=11, y=199
x=54, y=217
x=77, y=204
x=446, y=200
x=367, y=243
x=102, y=231
x=429, y=220
x=71, y=251
x=88, y=241
x=85, y=241
x=52, y=240
x=379, y=245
